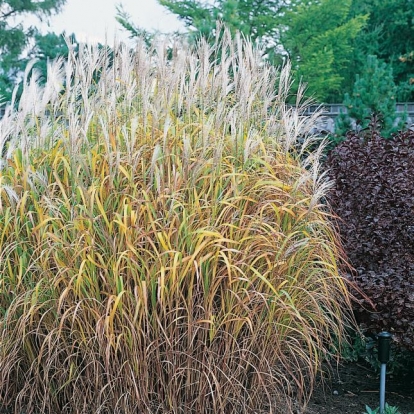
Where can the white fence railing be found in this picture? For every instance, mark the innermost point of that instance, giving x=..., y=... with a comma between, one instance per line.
x=326, y=124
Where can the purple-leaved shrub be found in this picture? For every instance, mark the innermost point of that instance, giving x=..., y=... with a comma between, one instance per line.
x=374, y=199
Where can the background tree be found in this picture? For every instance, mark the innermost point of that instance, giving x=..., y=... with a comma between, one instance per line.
x=15, y=38
x=124, y=19
x=318, y=37
x=257, y=19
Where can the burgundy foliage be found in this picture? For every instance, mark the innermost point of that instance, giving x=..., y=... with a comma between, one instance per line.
x=374, y=199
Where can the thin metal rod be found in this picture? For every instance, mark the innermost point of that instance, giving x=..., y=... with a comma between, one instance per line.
x=382, y=387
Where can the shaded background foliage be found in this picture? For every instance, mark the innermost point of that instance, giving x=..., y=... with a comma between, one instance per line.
x=19, y=44
x=374, y=199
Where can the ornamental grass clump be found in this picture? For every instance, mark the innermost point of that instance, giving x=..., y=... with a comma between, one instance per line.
x=163, y=245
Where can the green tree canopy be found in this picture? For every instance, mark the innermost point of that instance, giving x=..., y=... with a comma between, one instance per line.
x=318, y=37
x=258, y=19
x=15, y=38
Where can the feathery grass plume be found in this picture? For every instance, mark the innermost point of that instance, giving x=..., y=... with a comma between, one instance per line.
x=163, y=247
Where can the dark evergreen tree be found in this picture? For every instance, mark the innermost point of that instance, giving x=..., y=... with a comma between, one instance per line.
x=388, y=34
x=374, y=92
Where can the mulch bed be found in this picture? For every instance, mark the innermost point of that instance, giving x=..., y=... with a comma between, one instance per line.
x=352, y=386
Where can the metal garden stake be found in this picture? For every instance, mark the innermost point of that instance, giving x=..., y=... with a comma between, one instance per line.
x=384, y=342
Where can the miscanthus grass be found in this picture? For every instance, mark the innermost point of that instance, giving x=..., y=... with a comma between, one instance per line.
x=163, y=243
